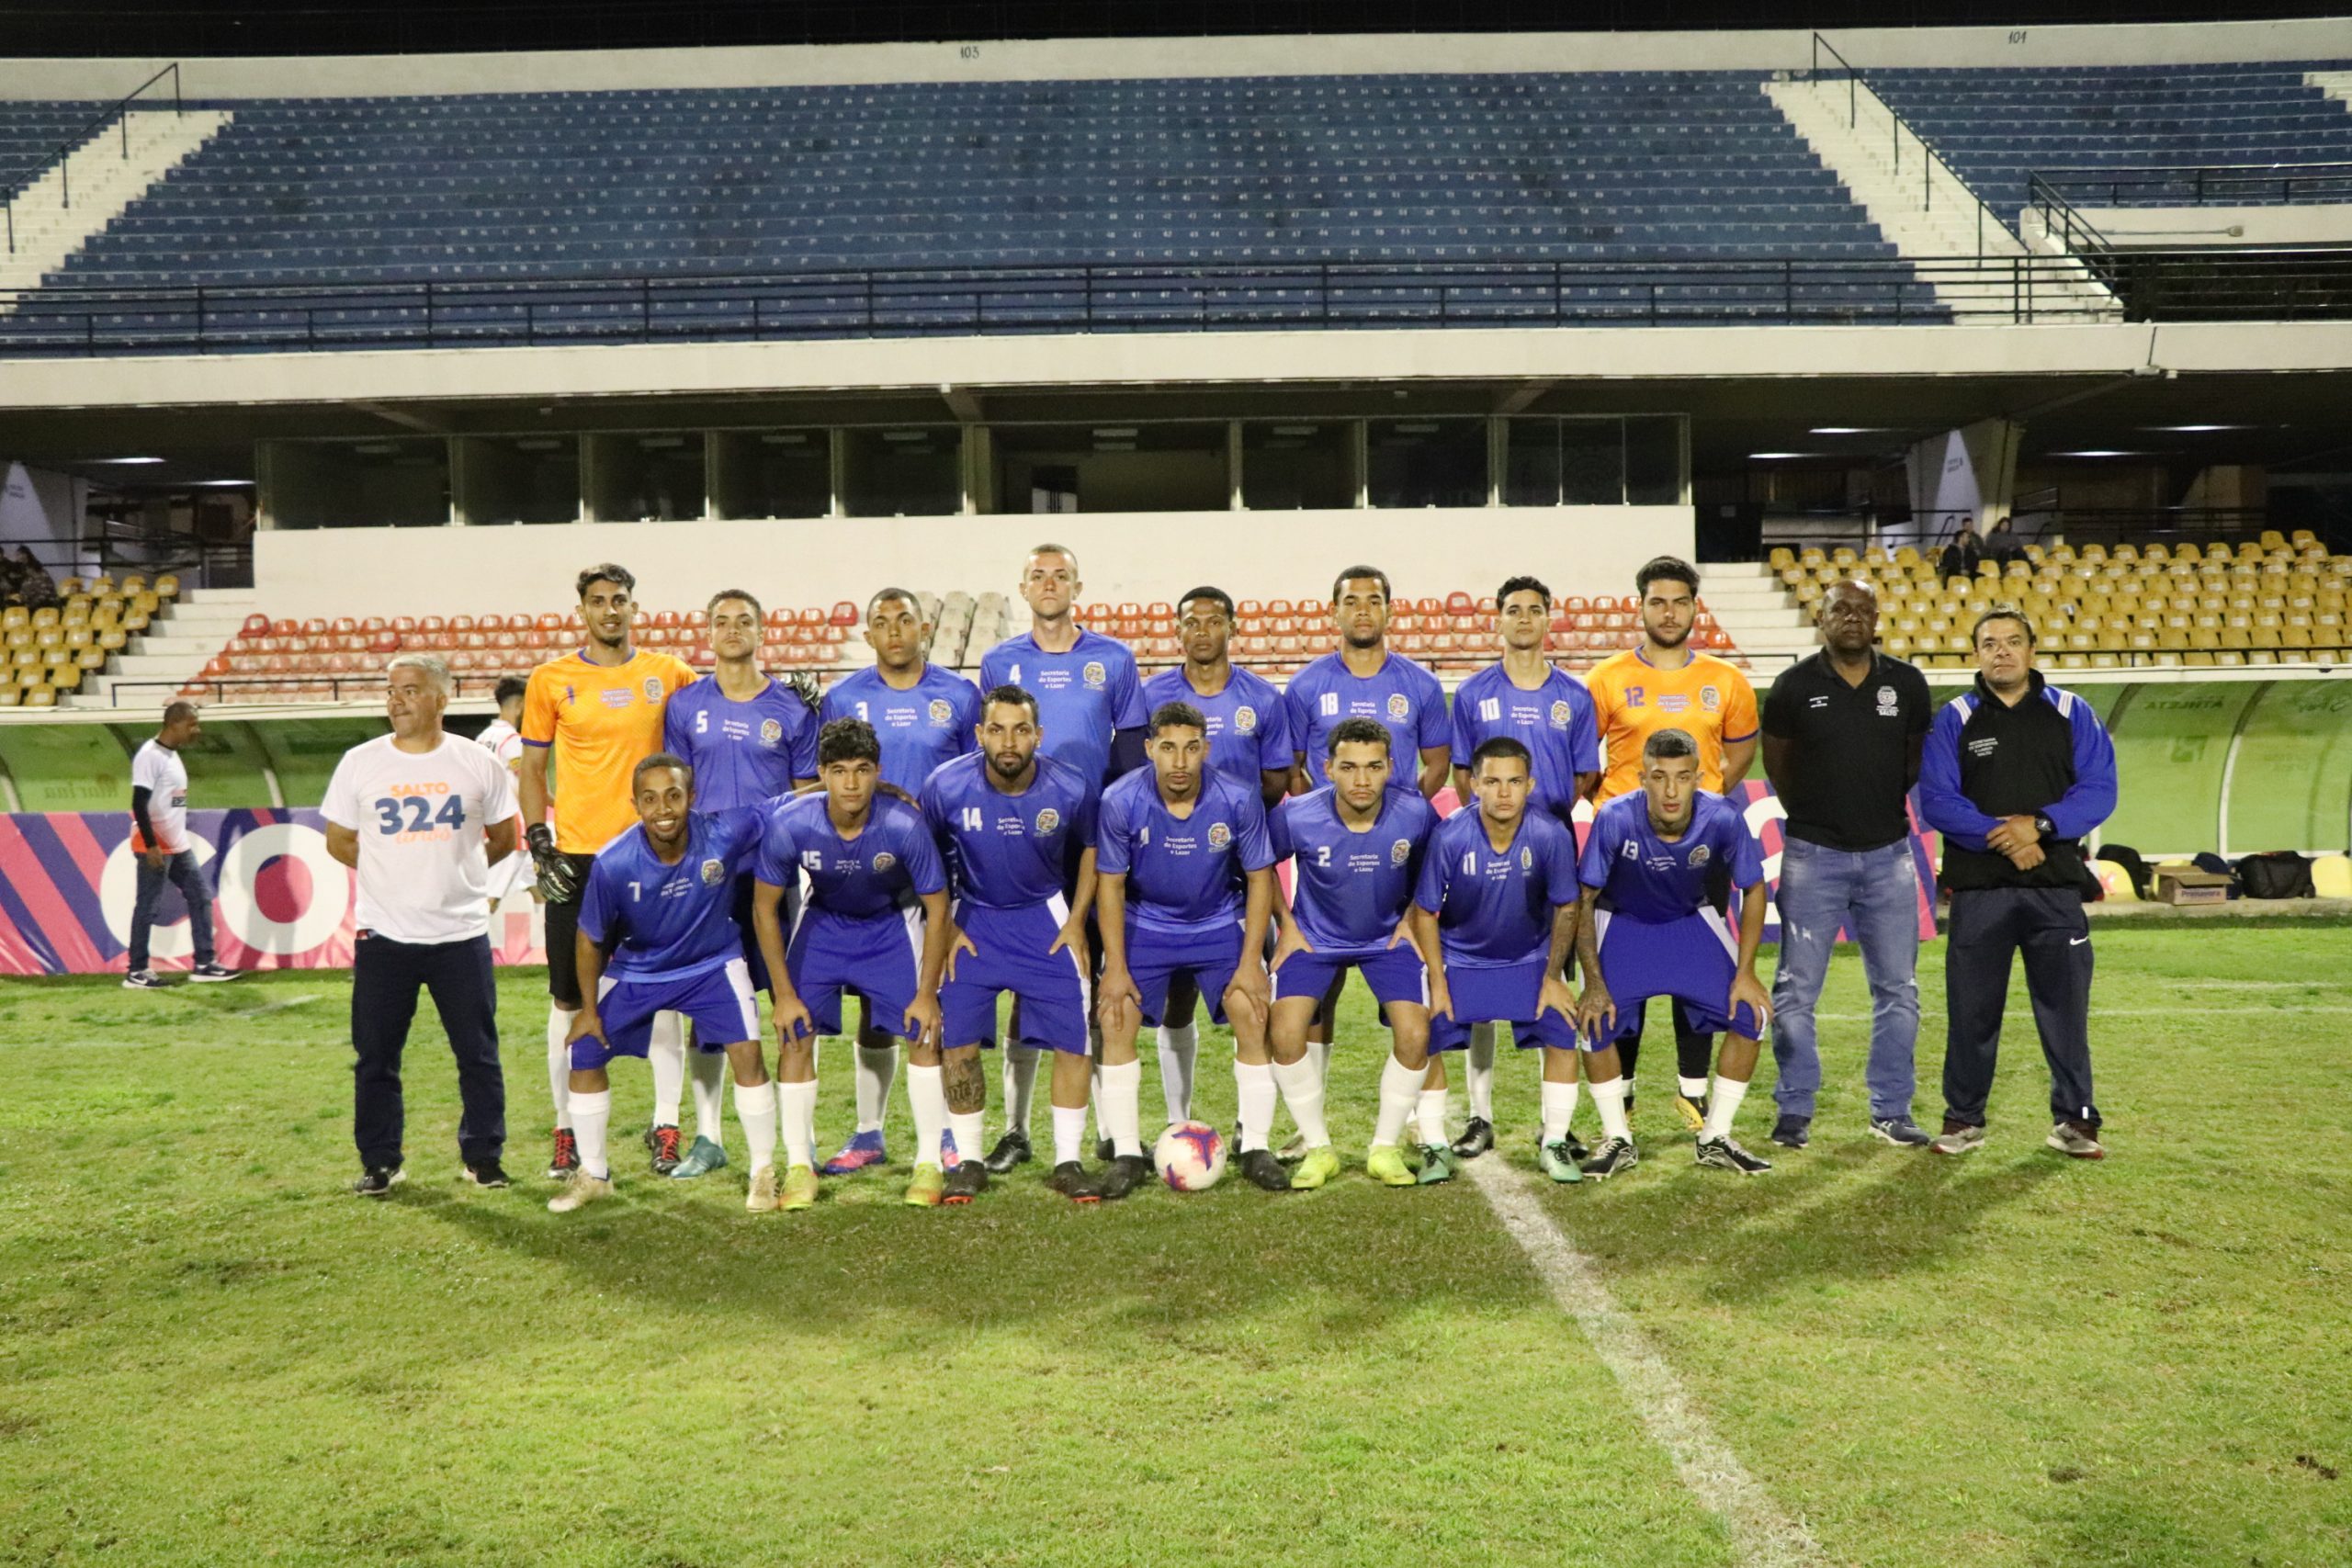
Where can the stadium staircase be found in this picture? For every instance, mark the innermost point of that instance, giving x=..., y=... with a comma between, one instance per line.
x=111, y=169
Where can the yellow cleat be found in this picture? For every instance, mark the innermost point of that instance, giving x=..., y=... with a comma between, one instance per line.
x=1315, y=1168
x=583, y=1189
x=924, y=1189
x=1386, y=1166
x=799, y=1188
x=763, y=1195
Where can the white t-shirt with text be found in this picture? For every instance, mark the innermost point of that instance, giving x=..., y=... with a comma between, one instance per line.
x=423, y=875
x=158, y=770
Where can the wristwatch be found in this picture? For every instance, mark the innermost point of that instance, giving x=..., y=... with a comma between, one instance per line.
x=2043, y=826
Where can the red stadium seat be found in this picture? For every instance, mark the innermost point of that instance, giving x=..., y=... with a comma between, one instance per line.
x=384, y=642
x=550, y=622
x=345, y=625
x=256, y=625
x=1486, y=604
x=433, y=625
x=315, y=627
x=844, y=613
x=1280, y=607
x=461, y=623
x=1249, y=607
x=811, y=618
x=667, y=618
x=283, y=628
x=1460, y=603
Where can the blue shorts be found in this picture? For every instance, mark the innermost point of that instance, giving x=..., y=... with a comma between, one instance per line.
x=1395, y=974
x=1694, y=959
x=1505, y=995
x=718, y=1001
x=1155, y=958
x=1055, y=994
x=877, y=956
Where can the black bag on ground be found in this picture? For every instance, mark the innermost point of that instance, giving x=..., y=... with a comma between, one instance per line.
x=2209, y=861
x=2282, y=874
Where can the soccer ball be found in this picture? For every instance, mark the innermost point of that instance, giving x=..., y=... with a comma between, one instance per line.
x=1190, y=1156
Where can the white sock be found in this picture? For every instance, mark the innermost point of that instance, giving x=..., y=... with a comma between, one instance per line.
x=1723, y=1105
x=1094, y=1100
x=1400, y=1092
x=1179, y=1051
x=796, y=1107
x=1303, y=1092
x=1019, y=1084
x=876, y=1066
x=1691, y=1088
x=666, y=1055
x=560, y=1063
x=970, y=1128
x=1608, y=1099
x=1480, y=1056
x=755, y=1108
x=1560, y=1109
x=926, y=1091
x=706, y=1071
x=1255, y=1085
x=1432, y=1115
x=591, y=1113
x=1070, y=1132
x=1121, y=1107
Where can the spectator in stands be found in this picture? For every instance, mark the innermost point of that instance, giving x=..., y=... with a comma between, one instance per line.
x=35, y=590
x=1960, y=557
x=158, y=837
x=11, y=583
x=2001, y=547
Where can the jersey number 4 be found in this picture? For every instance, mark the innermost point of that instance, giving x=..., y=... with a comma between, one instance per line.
x=421, y=817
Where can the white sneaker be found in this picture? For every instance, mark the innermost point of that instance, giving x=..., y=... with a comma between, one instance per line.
x=1958, y=1141
x=762, y=1197
x=143, y=980
x=581, y=1190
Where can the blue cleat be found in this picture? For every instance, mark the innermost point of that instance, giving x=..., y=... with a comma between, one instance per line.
x=861, y=1151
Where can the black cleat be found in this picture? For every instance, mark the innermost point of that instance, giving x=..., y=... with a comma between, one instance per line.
x=662, y=1143
x=1612, y=1157
x=485, y=1173
x=1075, y=1182
x=1723, y=1153
x=1106, y=1151
x=1010, y=1150
x=965, y=1182
x=1477, y=1138
x=377, y=1182
x=1125, y=1173
x=1261, y=1168
x=1793, y=1132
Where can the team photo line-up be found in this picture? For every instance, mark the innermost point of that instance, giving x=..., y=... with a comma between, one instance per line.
x=1101, y=851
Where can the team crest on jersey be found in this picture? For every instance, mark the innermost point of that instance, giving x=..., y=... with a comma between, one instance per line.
x=1710, y=699
x=1093, y=674
x=1701, y=856
x=1400, y=851
x=941, y=714
x=1887, y=705
x=1399, y=705
x=653, y=688
x=885, y=860
x=1049, y=820
x=1244, y=720
x=770, y=731
x=1219, y=835
x=1526, y=858
x=714, y=872
x=1559, y=716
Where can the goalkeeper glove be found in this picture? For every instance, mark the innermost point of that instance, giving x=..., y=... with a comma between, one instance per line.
x=559, y=882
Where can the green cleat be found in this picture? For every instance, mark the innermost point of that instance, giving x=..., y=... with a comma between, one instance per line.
x=1438, y=1164
x=799, y=1188
x=1558, y=1161
x=924, y=1190
x=1315, y=1168
x=1386, y=1166
x=701, y=1161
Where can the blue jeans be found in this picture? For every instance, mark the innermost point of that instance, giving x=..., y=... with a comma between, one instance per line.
x=183, y=873
x=1874, y=896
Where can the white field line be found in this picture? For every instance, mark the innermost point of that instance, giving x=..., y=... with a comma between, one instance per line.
x=2285, y=1009
x=1763, y=1536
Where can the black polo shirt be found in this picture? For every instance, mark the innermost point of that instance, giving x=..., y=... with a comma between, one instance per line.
x=1850, y=754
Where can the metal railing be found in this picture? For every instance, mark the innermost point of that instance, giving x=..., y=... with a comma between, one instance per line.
x=63, y=153
x=2199, y=184
x=1929, y=157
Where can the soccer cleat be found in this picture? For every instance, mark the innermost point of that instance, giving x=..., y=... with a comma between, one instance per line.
x=1899, y=1131
x=566, y=1158
x=1438, y=1164
x=965, y=1182
x=485, y=1173
x=377, y=1181
x=1124, y=1175
x=579, y=1191
x=143, y=980
x=1293, y=1151
x=1796, y=1131
x=862, y=1150
x=1386, y=1166
x=662, y=1143
x=1958, y=1138
x=1315, y=1168
x=1106, y=1151
x=1558, y=1161
x=1692, y=1110
x=2077, y=1139
x=1613, y=1157
x=701, y=1161
x=1477, y=1137
x=1075, y=1182
x=1261, y=1168
x=799, y=1190
x=924, y=1189
x=213, y=974
x=1010, y=1150
x=762, y=1197
x=1724, y=1154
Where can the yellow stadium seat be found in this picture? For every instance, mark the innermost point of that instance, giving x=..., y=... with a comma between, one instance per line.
x=40, y=697
x=2332, y=876
x=2116, y=881
x=167, y=586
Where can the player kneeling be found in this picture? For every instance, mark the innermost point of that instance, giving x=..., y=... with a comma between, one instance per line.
x=1646, y=931
x=1185, y=886
x=1498, y=908
x=874, y=922
x=661, y=897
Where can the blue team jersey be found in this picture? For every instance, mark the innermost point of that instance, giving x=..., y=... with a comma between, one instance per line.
x=921, y=728
x=743, y=753
x=1349, y=889
x=1248, y=722
x=1011, y=851
x=1185, y=875
x=1082, y=695
x=1494, y=907
x=1646, y=877
x=890, y=863
x=664, y=922
x=1401, y=695
x=1554, y=722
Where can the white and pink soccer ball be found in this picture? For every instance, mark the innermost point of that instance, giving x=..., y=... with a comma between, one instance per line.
x=1191, y=1156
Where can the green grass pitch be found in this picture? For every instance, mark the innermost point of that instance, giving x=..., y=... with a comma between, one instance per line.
x=210, y=1353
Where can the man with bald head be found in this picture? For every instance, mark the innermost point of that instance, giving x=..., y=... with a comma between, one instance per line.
x=1843, y=731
